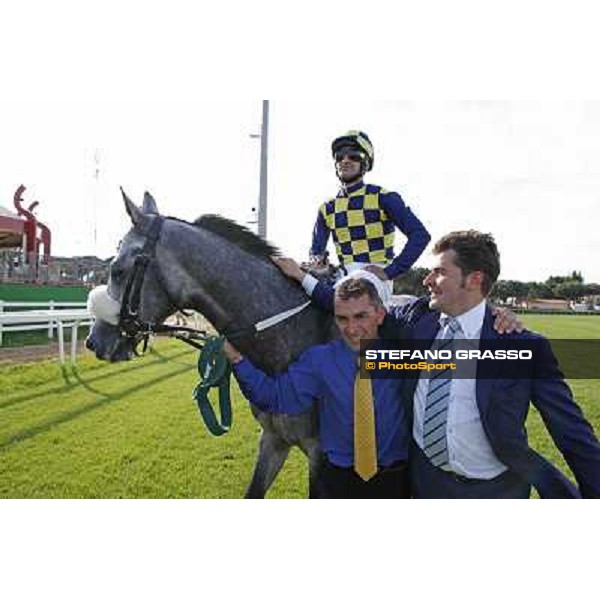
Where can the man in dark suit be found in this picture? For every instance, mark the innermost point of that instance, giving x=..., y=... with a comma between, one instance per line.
x=469, y=436
x=483, y=451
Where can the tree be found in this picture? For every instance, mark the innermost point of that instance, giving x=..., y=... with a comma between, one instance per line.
x=570, y=290
x=411, y=282
x=576, y=276
x=540, y=290
x=504, y=289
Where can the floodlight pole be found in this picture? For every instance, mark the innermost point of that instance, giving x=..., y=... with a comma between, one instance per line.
x=95, y=197
x=262, y=196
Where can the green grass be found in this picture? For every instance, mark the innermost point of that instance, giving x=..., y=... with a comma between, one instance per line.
x=131, y=430
x=567, y=327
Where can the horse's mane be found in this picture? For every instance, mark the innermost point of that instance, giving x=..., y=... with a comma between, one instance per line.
x=237, y=234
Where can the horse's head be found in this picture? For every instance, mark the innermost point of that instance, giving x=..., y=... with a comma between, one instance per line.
x=133, y=296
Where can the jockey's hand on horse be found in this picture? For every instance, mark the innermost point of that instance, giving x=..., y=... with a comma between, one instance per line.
x=377, y=271
x=506, y=321
x=289, y=267
x=232, y=353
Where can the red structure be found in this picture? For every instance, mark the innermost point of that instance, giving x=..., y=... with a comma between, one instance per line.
x=30, y=237
x=33, y=239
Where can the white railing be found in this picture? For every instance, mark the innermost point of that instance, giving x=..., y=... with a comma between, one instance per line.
x=58, y=315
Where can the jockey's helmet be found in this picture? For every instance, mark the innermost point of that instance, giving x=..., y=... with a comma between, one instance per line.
x=358, y=141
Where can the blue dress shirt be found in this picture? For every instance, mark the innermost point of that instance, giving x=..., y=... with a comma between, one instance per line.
x=326, y=374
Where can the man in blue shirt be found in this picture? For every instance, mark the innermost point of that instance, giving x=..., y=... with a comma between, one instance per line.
x=328, y=375
x=362, y=218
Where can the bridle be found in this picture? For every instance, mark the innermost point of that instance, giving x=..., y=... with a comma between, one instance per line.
x=130, y=324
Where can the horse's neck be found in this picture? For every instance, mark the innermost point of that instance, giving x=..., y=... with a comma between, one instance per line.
x=228, y=286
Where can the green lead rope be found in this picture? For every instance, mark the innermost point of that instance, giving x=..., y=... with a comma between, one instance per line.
x=215, y=371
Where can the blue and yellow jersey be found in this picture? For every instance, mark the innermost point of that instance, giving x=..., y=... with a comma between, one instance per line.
x=362, y=220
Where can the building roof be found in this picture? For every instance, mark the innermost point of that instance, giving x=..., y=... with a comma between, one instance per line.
x=11, y=229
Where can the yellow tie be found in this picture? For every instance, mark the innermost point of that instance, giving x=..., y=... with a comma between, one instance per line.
x=365, y=446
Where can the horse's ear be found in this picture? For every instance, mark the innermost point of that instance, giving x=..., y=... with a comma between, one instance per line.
x=132, y=210
x=149, y=206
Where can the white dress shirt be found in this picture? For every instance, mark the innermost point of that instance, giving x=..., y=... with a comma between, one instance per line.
x=469, y=450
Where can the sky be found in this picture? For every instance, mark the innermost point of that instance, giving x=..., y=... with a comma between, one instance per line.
x=526, y=171
x=159, y=103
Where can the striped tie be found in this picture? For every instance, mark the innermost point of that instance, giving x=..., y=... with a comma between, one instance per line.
x=365, y=445
x=435, y=443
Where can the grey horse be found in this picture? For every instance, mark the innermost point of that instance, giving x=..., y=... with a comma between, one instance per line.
x=223, y=271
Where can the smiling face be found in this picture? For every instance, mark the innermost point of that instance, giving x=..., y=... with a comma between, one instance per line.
x=452, y=292
x=358, y=318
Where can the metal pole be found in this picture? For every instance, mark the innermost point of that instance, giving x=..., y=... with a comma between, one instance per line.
x=95, y=197
x=262, y=197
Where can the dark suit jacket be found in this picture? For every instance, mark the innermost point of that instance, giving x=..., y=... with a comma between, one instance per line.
x=504, y=403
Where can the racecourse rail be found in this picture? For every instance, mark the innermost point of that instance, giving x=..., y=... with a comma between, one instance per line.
x=28, y=316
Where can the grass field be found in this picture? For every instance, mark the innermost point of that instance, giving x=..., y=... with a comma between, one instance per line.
x=131, y=430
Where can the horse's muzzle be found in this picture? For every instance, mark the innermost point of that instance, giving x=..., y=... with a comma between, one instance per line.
x=106, y=342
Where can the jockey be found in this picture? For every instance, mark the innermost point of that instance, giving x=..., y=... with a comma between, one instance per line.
x=363, y=217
